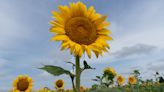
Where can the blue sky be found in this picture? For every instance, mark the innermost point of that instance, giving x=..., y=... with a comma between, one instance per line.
x=136, y=25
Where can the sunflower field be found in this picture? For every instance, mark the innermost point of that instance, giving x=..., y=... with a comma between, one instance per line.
x=81, y=30
x=110, y=81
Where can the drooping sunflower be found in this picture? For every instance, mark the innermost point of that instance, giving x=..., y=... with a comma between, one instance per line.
x=132, y=80
x=22, y=83
x=120, y=80
x=109, y=70
x=80, y=29
x=59, y=84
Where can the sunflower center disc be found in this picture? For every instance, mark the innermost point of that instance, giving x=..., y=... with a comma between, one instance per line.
x=59, y=84
x=120, y=79
x=81, y=30
x=22, y=85
x=131, y=80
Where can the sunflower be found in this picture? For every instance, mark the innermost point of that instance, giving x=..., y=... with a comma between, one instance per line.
x=132, y=80
x=59, y=84
x=80, y=29
x=120, y=80
x=109, y=70
x=22, y=83
x=82, y=89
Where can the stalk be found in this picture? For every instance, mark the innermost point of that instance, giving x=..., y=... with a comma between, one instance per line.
x=78, y=71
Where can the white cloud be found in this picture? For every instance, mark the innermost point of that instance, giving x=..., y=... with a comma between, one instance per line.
x=138, y=49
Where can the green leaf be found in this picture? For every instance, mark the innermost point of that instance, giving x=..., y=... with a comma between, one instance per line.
x=55, y=70
x=98, y=77
x=86, y=66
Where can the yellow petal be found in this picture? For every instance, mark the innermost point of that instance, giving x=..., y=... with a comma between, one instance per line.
x=105, y=37
x=65, y=11
x=100, y=20
x=103, y=25
x=74, y=9
x=90, y=11
x=58, y=17
x=87, y=49
x=94, y=17
x=56, y=24
x=104, y=32
x=94, y=48
x=103, y=42
x=77, y=49
x=96, y=53
x=72, y=47
x=104, y=49
x=81, y=51
x=98, y=45
x=82, y=9
x=65, y=45
x=57, y=30
x=59, y=38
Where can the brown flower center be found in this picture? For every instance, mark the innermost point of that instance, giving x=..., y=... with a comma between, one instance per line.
x=131, y=80
x=59, y=83
x=23, y=85
x=120, y=79
x=81, y=30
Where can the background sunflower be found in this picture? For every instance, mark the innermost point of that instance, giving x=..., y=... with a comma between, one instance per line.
x=132, y=80
x=22, y=83
x=59, y=84
x=120, y=80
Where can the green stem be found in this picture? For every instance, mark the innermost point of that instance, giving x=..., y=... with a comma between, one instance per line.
x=78, y=73
x=73, y=85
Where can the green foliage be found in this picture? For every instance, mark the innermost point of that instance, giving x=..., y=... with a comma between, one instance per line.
x=86, y=66
x=55, y=70
x=134, y=88
x=106, y=80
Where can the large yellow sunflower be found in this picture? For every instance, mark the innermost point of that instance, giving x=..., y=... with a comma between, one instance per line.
x=80, y=29
x=22, y=83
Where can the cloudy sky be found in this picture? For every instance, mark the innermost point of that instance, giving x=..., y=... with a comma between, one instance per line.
x=136, y=25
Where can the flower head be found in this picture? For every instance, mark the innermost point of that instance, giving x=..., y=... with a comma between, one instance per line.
x=82, y=89
x=110, y=70
x=59, y=84
x=22, y=83
x=80, y=29
x=120, y=80
x=132, y=80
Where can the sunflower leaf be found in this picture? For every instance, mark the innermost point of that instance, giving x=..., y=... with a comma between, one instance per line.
x=98, y=77
x=55, y=70
x=86, y=66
